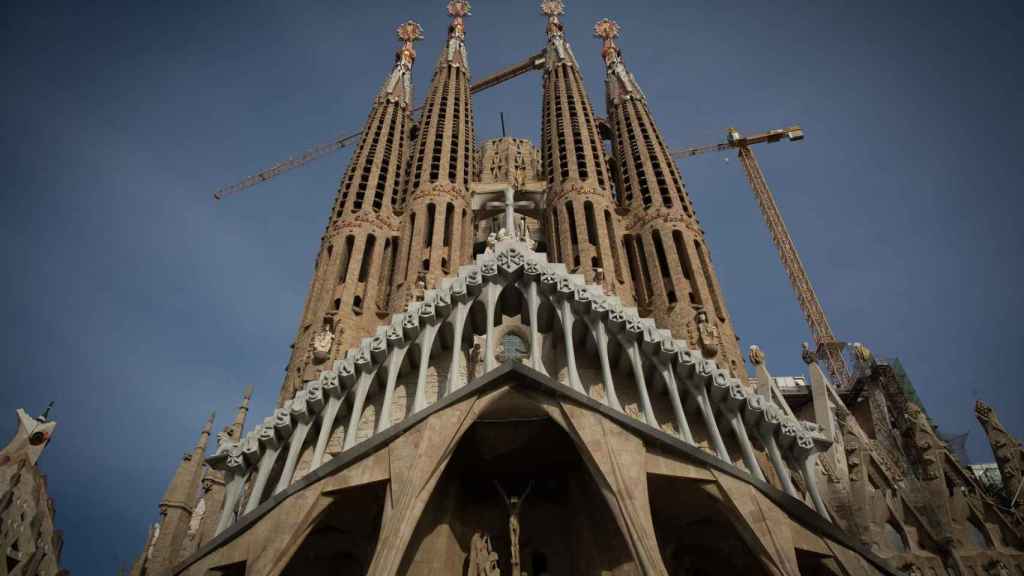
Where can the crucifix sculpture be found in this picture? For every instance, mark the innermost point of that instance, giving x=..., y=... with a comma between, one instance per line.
x=515, y=503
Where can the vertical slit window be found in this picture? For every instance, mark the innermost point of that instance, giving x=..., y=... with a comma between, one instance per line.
x=666, y=272
x=428, y=235
x=634, y=269
x=364, y=266
x=613, y=241
x=412, y=238
x=557, y=238
x=588, y=212
x=346, y=257
x=570, y=214
x=644, y=269
x=709, y=280
x=449, y=212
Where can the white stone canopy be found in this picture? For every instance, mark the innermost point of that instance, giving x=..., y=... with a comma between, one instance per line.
x=646, y=358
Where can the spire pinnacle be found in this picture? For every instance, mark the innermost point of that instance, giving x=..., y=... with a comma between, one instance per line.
x=553, y=9
x=457, y=9
x=209, y=422
x=408, y=33
x=608, y=30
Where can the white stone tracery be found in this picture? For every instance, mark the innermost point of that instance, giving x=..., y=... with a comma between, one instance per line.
x=635, y=357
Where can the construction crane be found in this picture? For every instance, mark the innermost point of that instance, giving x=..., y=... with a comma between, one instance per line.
x=827, y=345
x=532, y=63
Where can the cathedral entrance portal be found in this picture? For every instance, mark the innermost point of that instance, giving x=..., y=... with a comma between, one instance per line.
x=517, y=498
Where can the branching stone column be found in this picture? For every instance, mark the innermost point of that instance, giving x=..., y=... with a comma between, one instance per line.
x=730, y=397
x=696, y=372
x=332, y=387
x=304, y=408
x=397, y=348
x=231, y=459
x=460, y=310
x=568, y=321
x=805, y=451
x=628, y=339
x=530, y=283
x=763, y=417
x=272, y=433
x=595, y=321
x=491, y=292
x=367, y=371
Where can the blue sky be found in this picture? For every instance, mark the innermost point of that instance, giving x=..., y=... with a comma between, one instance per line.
x=139, y=304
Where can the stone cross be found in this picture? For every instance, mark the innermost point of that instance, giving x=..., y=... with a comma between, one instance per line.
x=509, y=206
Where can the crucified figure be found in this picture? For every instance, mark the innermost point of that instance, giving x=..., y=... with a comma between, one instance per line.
x=514, y=504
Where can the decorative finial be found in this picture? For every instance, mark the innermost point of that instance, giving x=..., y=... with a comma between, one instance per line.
x=553, y=9
x=408, y=33
x=806, y=353
x=459, y=8
x=756, y=355
x=608, y=30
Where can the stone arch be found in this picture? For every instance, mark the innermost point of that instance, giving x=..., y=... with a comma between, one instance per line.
x=564, y=517
x=697, y=534
x=335, y=544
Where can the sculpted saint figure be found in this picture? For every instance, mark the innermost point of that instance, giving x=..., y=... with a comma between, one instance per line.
x=483, y=560
x=708, y=335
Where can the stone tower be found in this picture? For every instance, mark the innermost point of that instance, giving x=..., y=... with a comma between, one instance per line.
x=435, y=194
x=29, y=542
x=583, y=226
x=177, y=505
x=669, y=261
x=353, y=272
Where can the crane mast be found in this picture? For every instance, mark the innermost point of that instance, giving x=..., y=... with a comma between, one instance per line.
x=827, y=345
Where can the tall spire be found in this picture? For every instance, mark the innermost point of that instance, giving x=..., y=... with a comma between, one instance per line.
x=434, y=201
x=558, y=49
x=581, y=217
x=353, y=273
x=235, y=430
x=177, y=504
x=669, y=261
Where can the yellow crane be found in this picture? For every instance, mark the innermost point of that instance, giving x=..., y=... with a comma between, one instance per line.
x=828, y=347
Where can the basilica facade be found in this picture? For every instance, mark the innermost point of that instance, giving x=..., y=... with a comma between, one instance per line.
x=519, y=360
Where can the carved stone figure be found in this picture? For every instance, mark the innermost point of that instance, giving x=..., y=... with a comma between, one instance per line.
x=708, y=335
x=756, y=355
x=483, y=560
x=924, y=441
x=492, y=239
x=514, y=503
x=322, y=343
